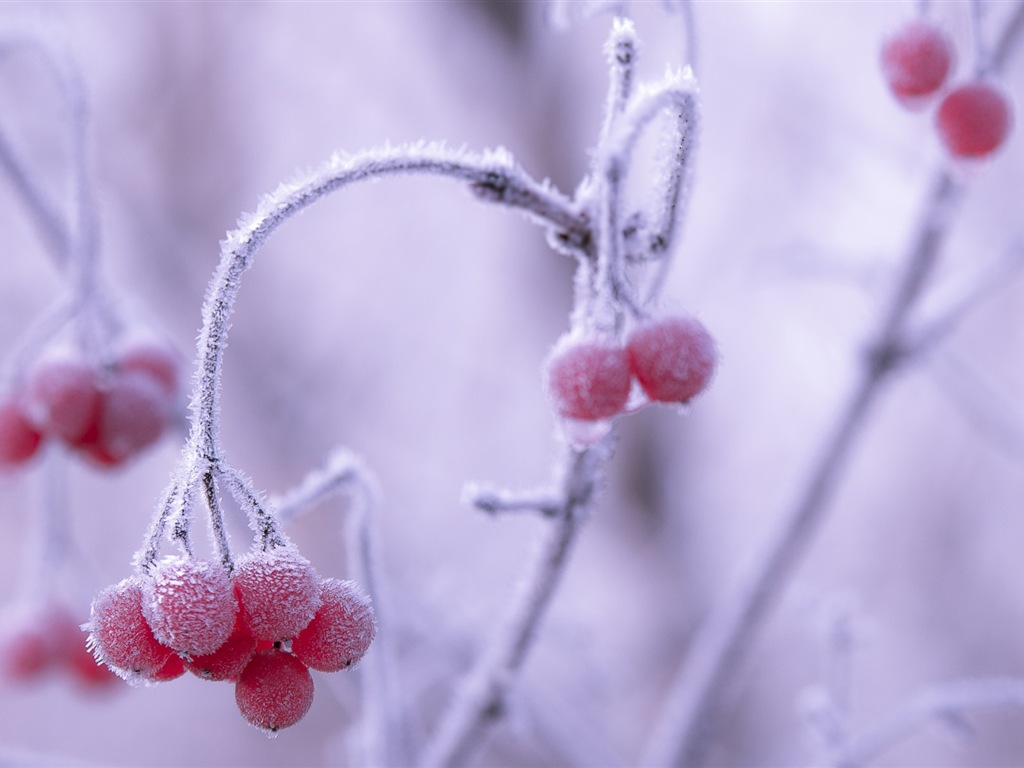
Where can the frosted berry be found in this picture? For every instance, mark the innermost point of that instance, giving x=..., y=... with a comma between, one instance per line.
x=673, y=359
x=63, y=397
x=190, y=604
x=151, y=359
x=172, y=669
x=135, y=412
x=341, y=631
x=19, y=438
x=974, y=120
x=119, y=635
x=275, y=690
x=916, y=60
x=588, y=380
x=26, y=652
x=228, y=661
x=278, y=592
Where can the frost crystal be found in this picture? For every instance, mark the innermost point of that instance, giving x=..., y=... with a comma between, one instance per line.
x=190, y=605
x=119, y=635
x=341, y=631
x=278, y=592
x=275, y=691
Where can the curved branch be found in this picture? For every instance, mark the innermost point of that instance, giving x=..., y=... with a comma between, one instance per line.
x=493, y=177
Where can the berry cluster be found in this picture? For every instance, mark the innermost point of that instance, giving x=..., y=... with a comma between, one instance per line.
x=47, y=639
x=973, y=119
x=263, y=627
x=105, y=413
x=672, y=359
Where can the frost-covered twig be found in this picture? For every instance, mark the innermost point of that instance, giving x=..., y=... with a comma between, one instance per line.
x=989, y=411
x=52, y=226
x=947, y=702
x=498, y=500
x=482, y=696
x=492, y=176
x=386, y=739
x=950, y=318
x=684, y=730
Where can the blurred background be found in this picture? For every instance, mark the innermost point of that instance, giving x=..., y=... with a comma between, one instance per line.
x=409, y=322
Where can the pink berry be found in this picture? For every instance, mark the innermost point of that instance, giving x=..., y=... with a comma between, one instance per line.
x=228, y=661
x=19, y=438
x=673, y=359
x=916, y=60
x=190, y=604
x=135, y=412
x=974, y=120
x=26, y=651
x=155, y=360
x=278, y=593
x=84, y=668
x=588, y=380
x=63, y=398
x=341, y=631
x=275, y=690
x=172, y=669
x=119, y=635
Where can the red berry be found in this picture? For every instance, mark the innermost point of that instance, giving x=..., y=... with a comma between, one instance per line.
x=588, y=380
x=136, y=410
x=190, y=605
x=228, y=661
x=974, y=120
x=916, y=60
x=26, y=649
x=119, y=635
x=341, y=631
x=172, y=669
x=673, y=359
x=275, y=691
x=153, y=359
x=63, y=398
x=278, y=592
x=19, y=438
x=86, y=670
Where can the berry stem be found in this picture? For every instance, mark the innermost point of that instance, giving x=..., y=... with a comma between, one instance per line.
x=621, y=50
x=615, y=153
x=220, y=534
x=480, y=698
x=264, y=523
x=684, y=731
x=50, y=223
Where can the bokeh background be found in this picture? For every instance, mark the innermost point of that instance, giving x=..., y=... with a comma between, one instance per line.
x=409, y=322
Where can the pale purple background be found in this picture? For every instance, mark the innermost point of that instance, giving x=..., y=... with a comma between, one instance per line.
x=409, y=322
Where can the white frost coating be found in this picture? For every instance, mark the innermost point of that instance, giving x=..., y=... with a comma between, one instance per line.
x=190, y=605
x=279, y=592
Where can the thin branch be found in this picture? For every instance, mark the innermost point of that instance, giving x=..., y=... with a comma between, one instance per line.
x=685, y=729
x=492, y=176
x=481, y=698
x=498, y=500
x=621, y=51
x=386, y=739
x=51, y=225
x=996, y=277
x=989, y=411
